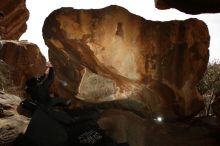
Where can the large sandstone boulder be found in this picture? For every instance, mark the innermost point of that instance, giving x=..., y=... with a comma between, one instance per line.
x=111, y=54
x=190, y=6
x=24, y=58
x=13, y=17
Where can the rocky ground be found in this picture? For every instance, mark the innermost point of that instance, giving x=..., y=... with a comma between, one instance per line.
x=122, y=126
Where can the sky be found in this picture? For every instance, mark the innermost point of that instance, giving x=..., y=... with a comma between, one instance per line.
x=40, y=9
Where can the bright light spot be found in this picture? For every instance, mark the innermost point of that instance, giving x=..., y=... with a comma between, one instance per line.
x=159, y=119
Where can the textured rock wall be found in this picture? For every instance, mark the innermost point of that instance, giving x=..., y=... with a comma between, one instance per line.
x=11, y=122
x=13, y=17
x=6, y=79
x=25, y=58
x=190, y=6
x=157, y=63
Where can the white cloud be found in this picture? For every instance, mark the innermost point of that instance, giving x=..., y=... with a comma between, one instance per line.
x=40, y=9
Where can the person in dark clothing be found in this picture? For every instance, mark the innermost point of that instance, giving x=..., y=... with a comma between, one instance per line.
x=38, y=88
x=51, y=126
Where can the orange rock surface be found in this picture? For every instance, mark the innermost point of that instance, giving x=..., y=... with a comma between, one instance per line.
x=25, y=58
x=13, y=17
x=111, y=54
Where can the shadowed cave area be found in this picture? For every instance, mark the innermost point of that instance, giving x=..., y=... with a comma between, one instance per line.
x=140, y=76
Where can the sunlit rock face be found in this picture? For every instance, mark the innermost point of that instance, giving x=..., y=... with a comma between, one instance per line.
x=13, y=17
x=190, y=6
x=25, y=59
x=111, y=54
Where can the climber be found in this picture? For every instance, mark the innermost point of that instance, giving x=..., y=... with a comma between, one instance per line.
x=51, y=126
x=38, y=88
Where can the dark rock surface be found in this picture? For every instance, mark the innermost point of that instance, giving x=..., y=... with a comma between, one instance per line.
x=190, y=6
x=124, y=126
